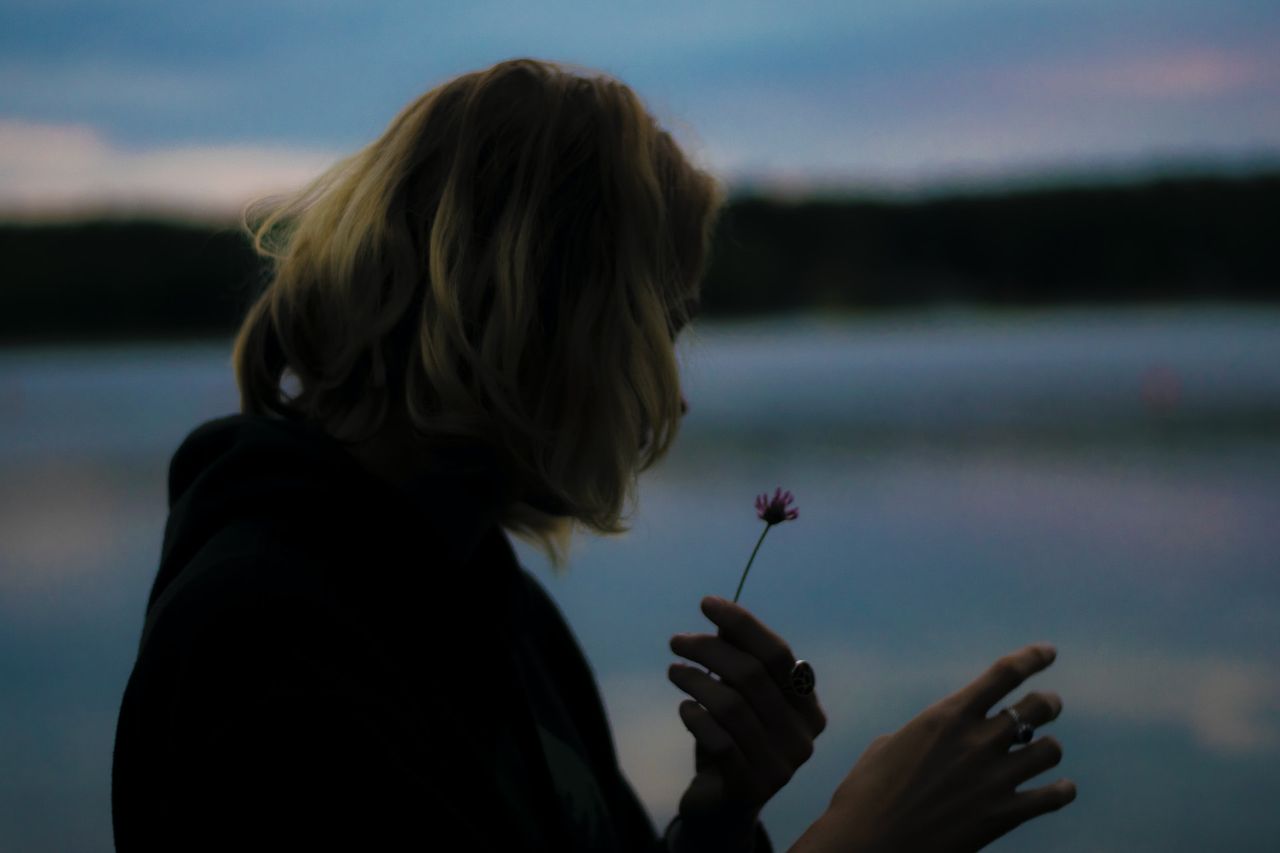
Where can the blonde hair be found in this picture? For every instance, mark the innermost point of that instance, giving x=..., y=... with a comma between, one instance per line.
x=507, y=264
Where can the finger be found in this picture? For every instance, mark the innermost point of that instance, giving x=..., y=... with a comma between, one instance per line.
x=1022, y=806
x=735, y=715
x=712, y=740
x=1023, y=764
x=740, y=627
x=791, y=731
x=1037, y=709
x=1003, y=677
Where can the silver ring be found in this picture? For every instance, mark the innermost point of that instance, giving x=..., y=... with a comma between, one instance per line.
x=1024, y=731
x=801, y=680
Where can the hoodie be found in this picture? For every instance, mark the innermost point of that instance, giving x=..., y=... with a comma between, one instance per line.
x=331, y=661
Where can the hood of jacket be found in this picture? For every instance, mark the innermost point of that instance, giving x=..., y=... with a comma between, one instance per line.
x=292, y=475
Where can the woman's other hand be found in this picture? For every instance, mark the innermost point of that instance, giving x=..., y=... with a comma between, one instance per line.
x=750, y=733
x=948, y=779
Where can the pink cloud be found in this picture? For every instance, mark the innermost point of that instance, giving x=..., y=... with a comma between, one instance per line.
x=49, y=169
x=1192, y=73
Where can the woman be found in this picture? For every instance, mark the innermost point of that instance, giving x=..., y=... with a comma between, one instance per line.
x=475, y=316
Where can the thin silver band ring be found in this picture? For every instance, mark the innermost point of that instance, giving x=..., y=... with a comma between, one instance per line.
x=1023, y=731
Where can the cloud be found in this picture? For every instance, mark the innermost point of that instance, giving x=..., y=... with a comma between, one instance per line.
x=86, y=85
x=1192, y=73
x=61, y=169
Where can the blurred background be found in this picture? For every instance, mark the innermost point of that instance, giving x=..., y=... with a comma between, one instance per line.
x=996, y=296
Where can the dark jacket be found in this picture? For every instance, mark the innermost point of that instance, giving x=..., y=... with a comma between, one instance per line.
x=329, y=660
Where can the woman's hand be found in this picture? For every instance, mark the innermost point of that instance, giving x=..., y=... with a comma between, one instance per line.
x=750, y=734
x=947, y=780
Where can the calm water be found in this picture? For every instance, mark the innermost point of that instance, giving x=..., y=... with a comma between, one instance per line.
x=967, y=484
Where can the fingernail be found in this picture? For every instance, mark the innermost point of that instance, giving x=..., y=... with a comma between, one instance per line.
x=714, y=602
x=1048, y=650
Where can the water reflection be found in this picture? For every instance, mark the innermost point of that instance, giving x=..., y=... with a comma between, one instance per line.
x=969, y=485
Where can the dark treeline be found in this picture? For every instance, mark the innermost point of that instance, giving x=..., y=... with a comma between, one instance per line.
x=123, y=280
x=1171, y=240
x=1168, y=240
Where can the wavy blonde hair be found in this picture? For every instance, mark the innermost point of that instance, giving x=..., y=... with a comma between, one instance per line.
x=507, y=264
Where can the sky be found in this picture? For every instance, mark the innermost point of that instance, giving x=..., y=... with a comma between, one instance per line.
x=155, y=103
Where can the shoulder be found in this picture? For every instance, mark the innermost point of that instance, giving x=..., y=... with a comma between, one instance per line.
x=255, y=610
x=245, y=568
x=260, y=595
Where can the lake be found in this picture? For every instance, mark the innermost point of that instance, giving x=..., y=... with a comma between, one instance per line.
x=968, y=482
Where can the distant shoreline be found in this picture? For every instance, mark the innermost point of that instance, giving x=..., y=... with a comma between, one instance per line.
x=1187, y=240
x=939, y=315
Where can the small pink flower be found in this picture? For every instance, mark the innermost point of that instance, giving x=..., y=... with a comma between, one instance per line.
x=771, y=511
x=775, y=511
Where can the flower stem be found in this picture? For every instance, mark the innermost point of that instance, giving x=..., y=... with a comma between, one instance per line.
x=749, y=562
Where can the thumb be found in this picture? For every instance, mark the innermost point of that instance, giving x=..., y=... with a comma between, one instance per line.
x=714, y=749
x=705, y=796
